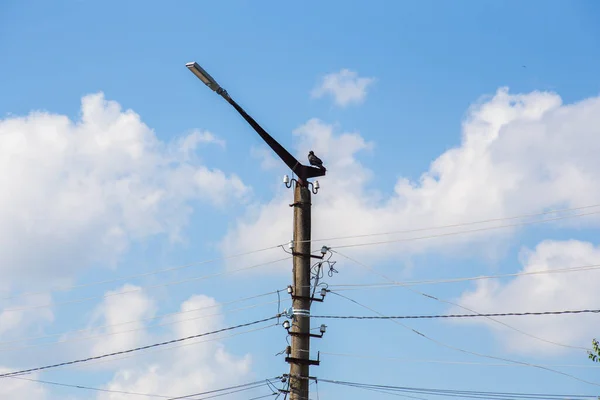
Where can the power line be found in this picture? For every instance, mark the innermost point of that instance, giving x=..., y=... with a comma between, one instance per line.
x=464, y=307
x=185, y=266
x=229, y=390
x=460, y=393
x=95, y=389
x=81, y=338
x=62, y=289
x=141, y=319
x=440, y=343
x=452, y=362
x=137, y=348
x=265, y=396
x=458, y=224
x=448, y=316
x=252, y=385
x=464, y=279
x=159, y=349
x=140, y=288
x=462, y=232
x=123, y=278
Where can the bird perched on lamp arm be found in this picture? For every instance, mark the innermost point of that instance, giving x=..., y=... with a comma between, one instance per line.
x=315, y=161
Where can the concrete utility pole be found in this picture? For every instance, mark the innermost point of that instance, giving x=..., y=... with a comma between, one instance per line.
x=300, y=331
x=299, y=353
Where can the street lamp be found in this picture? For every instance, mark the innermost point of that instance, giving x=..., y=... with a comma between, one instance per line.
x=205, y=77
x=302, y=171
x=299, y=246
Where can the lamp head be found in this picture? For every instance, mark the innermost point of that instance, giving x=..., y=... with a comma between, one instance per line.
x=203, y=76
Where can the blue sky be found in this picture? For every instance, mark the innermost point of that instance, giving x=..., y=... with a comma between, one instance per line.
x=118, y=162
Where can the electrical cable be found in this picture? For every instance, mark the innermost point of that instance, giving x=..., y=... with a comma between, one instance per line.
x=460, y=393
x=462, y=232
x=81, y=338
x=189, y=397
x=229, y=390
x=128, y=392
x=451, y=362
x=463, y=279
x=136, y=320
x=136, y=348
x=140, y=288
x=457, y=224
x=88, y=387
x=170, y=269
x=448, y=316
x=439, y=343
x=463, y=307
x=123, y=278
x=265, y=396
x=160, y=349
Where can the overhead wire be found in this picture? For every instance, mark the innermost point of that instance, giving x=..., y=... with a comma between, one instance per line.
x=477, y=354
x=459, y=393
x=209, y=261
x=453, y=362
x=251, y=385
x=449, y=316
x=463, y=279
x=463, y=307
x=229, y=390
x=149, y=273
x=277, y=246
x=67, y=288
x=168, y=348
x=135, y=349
x=140, y=288
x=83, y=338
x=439, y=235
x=31, y=338
x=95, y=389
x=459, y=224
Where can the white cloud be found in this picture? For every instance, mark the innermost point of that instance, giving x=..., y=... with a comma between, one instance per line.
x=13, y=388
x=14, y=322
x=78, y=192
x=113, y=313
x=186, y=369
x=190, y=143
x=522, y=153
x=345, y=86
x=265, y=156
x=544, y=292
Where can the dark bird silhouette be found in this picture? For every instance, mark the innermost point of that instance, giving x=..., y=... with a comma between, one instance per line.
x=314, y=160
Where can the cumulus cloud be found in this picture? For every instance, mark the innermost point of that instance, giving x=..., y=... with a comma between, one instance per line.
x=188, y=368
x=345, y=86
x=21, y=388
x=544, y=292
x=23, y=317
x=116, y=314
x=190, y=143
x=519, y=153
x=78, y=192
x=265, y=156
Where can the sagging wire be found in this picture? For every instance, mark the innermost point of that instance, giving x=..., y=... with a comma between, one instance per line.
x=317, y=271
x=278, y=307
